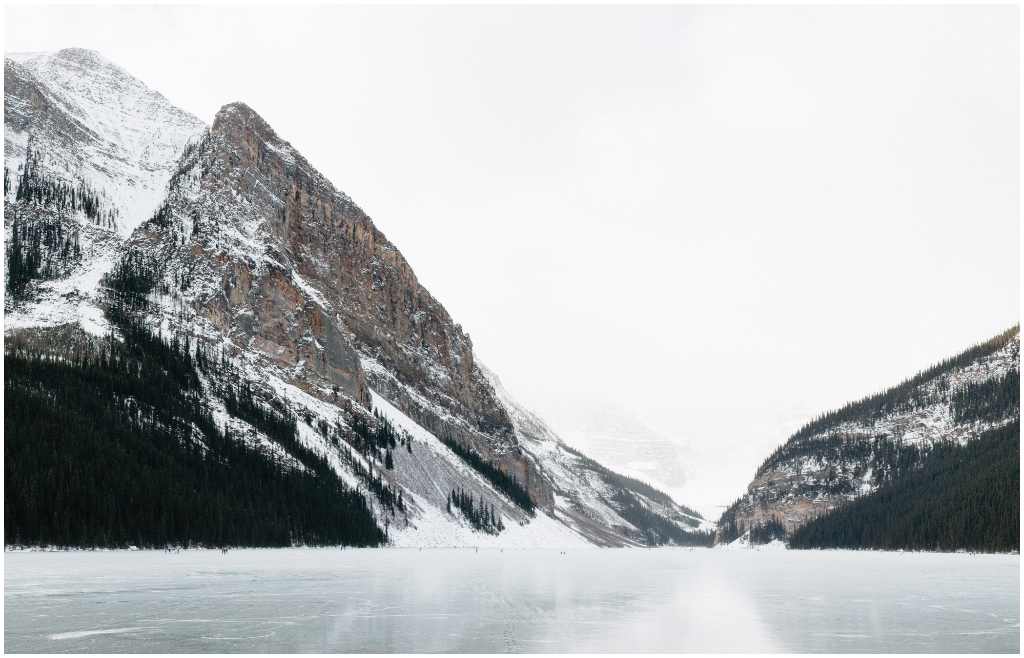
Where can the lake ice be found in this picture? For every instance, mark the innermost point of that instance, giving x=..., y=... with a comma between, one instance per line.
x=516, y=600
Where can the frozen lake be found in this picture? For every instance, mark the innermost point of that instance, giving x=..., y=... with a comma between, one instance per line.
x=534, y=600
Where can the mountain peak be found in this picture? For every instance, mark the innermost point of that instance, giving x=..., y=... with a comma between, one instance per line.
x=80, y=60
x=82, y=55
x=230, y=238
x=96, y=125
x=242, y=116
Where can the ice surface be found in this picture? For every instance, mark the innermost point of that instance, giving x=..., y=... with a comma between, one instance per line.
x=534, y=601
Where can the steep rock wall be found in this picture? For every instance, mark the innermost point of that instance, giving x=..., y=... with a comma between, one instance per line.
x=280, y=261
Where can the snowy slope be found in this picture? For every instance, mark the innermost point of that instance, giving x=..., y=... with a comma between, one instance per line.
x=95, y=123
x=585, y=490
x=88, y=124
x=616, y=438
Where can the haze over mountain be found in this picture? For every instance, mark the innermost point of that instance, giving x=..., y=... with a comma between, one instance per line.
x=250, y=323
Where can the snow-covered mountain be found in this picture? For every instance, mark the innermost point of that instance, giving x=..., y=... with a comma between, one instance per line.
x=588, y=496
x=227, y=237
x=615, y=436
x=75, y=121
x=94, y=124
x=851, y=452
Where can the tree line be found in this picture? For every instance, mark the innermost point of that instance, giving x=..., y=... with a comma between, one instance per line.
x=120, y=447
x=964, y=497
x=909, y=395
x=481, y=516
x=620, y=481
x=501, y=480
x=656, y=530
x=40, y=247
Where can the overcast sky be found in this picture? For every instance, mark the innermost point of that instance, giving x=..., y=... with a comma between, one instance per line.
x=725, y=219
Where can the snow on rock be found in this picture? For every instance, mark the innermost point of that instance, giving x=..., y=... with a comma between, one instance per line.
x=129, y=137
x=584, y=489
x=86, y=123
x=262, y=261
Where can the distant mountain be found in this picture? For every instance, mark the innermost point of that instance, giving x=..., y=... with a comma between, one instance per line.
x=213, y=302
x=881, y=447
x=592, y=498
x=615, y=437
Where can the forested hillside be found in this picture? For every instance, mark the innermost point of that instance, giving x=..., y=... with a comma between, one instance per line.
x=964, y=497
x=110, y=444
x=271, y=371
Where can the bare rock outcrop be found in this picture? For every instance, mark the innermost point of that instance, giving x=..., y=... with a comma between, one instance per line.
x=280, y=262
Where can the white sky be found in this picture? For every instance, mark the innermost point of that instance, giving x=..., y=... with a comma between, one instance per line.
x=726, y=219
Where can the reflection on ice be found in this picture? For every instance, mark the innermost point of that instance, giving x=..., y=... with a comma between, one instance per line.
x=75, y=635
x=535, y=601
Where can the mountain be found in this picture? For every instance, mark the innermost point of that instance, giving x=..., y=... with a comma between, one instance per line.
x=295, y=340
x=615, y=437
x=88, y=152
x=591, y=498
x=95, y=126
x=866, y=451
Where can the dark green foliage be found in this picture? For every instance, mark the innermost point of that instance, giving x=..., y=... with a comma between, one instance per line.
x=504, y=483
x=729, y=527
x=480, y=515
x=963, y=498
x=132, y=278
x=852, y=455
x=988, y=401
x=120, y=448
x=34, y=187
x=768, y=530
x=39, y=248
x=373, y=442
x=385, y=493
x=162, y=217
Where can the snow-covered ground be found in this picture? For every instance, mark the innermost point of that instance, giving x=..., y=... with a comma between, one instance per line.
x=432, y=463
x=92, y=125
x=127, y=145
x=135, y=134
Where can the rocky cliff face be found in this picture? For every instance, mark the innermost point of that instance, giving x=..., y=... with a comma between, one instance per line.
x=282, y=264
x=851, y=452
